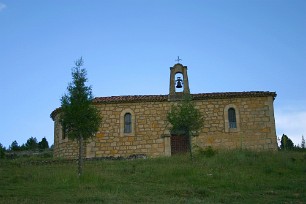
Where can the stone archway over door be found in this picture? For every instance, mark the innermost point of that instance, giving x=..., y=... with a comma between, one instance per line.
x=179, y=144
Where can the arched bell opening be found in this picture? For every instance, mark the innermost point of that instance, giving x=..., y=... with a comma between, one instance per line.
x=179, y=82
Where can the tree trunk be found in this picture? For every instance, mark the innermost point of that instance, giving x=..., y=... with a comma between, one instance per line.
x=80, y=161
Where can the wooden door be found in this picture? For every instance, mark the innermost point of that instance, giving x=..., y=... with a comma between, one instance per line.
x=179, y=144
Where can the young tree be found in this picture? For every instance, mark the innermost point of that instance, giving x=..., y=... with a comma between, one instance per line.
x=23, y=147
x=2, y=151
x=80, y=119
x=43, y=144
x=286, y=143
x=185, y=119
x=303, y=142
x=14, y=146
x=31, y=143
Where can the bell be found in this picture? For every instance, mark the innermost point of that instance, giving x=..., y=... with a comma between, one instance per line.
x=179, y=82
x=179, y=85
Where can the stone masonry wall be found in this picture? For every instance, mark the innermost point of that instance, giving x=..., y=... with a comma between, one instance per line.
x=255, y=124
x=255, y=128
x=149, y=125
x=63, y=148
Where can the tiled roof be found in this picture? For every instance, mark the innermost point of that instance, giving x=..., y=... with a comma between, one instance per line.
x=220, y=95
x=152, y=98
x=130, y=98
x=160, y=98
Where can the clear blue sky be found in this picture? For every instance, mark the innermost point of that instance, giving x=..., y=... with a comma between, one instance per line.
x=128, y=47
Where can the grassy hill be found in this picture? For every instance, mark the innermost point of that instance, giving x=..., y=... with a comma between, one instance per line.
x=226, y=177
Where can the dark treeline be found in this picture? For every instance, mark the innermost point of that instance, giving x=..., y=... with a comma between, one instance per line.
x=31, y=145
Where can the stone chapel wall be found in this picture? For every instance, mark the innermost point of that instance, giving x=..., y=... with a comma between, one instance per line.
x=255, y=130
x=255, y=124
x=149, y=126
x=63, y=148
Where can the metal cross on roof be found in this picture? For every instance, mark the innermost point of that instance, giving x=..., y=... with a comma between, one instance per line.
x=178, y=59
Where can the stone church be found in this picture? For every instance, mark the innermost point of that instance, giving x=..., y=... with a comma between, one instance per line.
x=137, y=124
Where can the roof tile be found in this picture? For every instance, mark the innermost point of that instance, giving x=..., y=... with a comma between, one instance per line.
x=160, y=98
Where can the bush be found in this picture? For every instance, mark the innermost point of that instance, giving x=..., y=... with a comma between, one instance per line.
x=208, y=151
x=43, y=144
x=286, y=143
x=47, y=154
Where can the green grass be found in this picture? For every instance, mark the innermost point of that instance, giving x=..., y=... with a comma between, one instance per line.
x=226, y=177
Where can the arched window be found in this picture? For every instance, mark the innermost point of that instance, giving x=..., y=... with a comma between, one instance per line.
x=232, y=118
x=127, y=123
x=62, y=132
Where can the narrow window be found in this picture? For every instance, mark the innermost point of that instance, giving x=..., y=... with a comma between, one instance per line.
x=232, y=118
x=127, y=123
x=64, y=132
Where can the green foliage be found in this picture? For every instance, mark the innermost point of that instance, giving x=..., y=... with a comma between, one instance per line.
x=23, y=147
x=31, y=144
x=185, y=118
x=286, y=143
x=78, y=116
x=227, y=177
x=303, y=143
x=14, y=146
x=43, y=144
x=2, y=151
x=208, y=152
